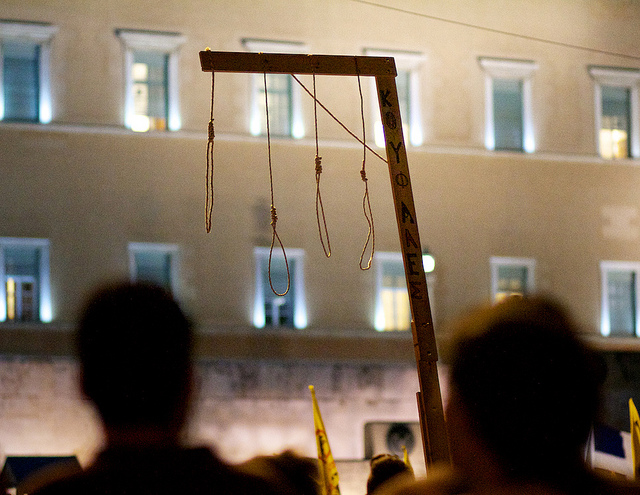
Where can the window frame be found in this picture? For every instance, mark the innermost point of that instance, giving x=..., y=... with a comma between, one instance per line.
x=499, y=261
x=621, y=78
x=163, y=42
x=45, y=313
x=521, y=70
x=261, y=259
x=605, y=268
x=296, y=126
x=412, y=63
x=156, y=247
x=40, y=34
x=380, y=317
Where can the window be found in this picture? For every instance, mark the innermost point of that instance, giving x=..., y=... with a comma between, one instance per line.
x=151, y=80
x=508, y=110
x=271, y=310
x=392, y=306
x=24, y=72
x=616, y=112
x=408, y=65
x=285, y=112
x=25, y=293
x=155, y=263
x=619, y=317
x=511, y=277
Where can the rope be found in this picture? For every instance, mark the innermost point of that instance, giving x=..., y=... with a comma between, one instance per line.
x=318, y=162
x=274, y=215
x=366, y=203
x=338, y=120
x=208, y=208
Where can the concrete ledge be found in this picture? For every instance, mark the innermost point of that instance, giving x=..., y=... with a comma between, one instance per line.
x=242, y=343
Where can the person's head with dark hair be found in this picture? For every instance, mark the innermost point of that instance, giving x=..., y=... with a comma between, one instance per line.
x=385, y=468
x=525, y=387
x=134, y=346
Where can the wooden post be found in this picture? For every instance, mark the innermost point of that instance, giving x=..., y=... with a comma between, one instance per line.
x=434, y=434
x=432, y=424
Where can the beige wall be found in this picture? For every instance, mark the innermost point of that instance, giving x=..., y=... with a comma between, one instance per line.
x=91, y=187
x=91, y=193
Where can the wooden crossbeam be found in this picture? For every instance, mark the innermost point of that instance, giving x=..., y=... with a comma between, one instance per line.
x=287, y=63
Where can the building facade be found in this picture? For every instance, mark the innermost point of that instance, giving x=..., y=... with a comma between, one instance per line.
x=523, y=136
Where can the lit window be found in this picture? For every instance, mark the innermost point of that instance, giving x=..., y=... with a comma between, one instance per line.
x=408, y=65
x=285, y=112
x=508, y=109
x=24, y=270
x=511, y=277
x=619, y=316
x=271, y=310
x=24, y=72
x=154, y=263
x=392, y=306
x=616, y=112
x=151, y=89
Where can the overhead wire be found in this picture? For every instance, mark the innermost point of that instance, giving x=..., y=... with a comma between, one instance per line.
x=499, y=31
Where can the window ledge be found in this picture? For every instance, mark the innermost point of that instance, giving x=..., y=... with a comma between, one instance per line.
x=36, y=339
x=242, y=343
x=290, y=345
x=613, y=344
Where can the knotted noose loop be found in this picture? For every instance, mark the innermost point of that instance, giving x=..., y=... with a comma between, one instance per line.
x=318, y=161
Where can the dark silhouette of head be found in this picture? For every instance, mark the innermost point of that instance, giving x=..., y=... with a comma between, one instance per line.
x=529, y=386
x=386, y=467
x=135, y=345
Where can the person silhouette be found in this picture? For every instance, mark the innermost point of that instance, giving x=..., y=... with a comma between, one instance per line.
x=524, y=391
x=387, y=468
x=135, y=352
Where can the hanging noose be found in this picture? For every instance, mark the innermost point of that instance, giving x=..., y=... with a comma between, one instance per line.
x=274, y=216
x=366, y=203
x=318, y=162
x=208, y=207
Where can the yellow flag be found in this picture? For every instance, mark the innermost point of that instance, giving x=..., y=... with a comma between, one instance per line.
x=329, y=471
x=405, y=456
x=635, y=439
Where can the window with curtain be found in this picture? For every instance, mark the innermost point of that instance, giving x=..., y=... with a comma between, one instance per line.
x=150, y=88
x=155, y=263
x=619, y=308
x=393, y=308
x=21, y=81
x=615, y=124
x=507, y=114
x=511, y=277
x=273, y=310
x=151, y=80
x=24, y=271
x=25, y=94
x=508, y=104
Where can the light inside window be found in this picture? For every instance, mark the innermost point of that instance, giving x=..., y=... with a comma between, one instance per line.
x=149, y=73
x=614, y=126
x=394, y=311
x=512, y=281
x=11, y=299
